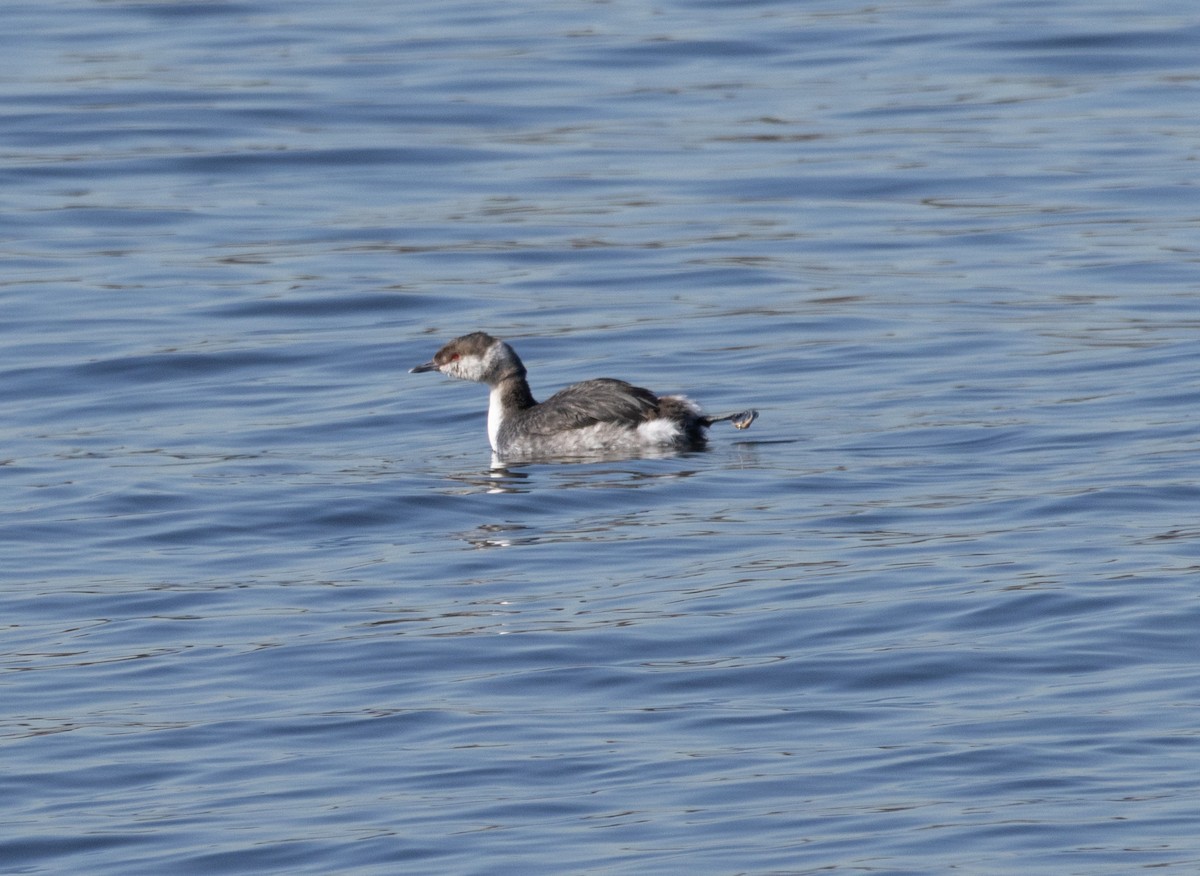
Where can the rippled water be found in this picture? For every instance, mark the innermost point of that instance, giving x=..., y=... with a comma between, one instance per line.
x=267, y=606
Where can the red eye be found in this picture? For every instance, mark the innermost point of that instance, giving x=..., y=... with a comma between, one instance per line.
x=454, y=358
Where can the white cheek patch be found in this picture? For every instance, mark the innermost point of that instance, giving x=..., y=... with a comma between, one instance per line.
x=465, y=368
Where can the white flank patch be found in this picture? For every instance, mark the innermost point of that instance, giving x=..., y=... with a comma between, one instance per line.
x=659, y=431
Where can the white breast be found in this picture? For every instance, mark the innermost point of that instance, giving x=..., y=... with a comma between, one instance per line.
x=495, y=418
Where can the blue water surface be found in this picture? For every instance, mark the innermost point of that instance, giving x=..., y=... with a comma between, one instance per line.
x=268, y=606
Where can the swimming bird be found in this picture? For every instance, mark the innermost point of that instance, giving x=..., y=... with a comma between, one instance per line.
x=601, y=416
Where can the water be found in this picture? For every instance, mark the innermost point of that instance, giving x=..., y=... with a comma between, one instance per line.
x=268, y=608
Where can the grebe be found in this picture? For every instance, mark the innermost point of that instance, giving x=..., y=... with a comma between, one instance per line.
x=601, y=416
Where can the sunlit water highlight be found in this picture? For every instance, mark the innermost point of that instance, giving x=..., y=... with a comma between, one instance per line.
x=269, y=608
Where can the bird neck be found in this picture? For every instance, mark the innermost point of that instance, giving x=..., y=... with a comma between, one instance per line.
x=510, y=396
